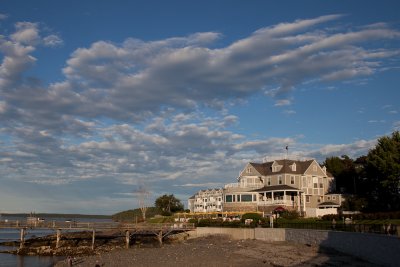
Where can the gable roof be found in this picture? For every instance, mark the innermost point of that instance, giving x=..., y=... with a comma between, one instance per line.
x=301, y=167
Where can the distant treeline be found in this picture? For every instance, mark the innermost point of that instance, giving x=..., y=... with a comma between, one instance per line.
x=136, y=214
x=58, y=215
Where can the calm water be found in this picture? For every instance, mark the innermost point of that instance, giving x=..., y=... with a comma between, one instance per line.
x=9, y=260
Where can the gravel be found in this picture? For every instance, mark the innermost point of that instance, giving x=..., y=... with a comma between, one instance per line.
x=221, y=251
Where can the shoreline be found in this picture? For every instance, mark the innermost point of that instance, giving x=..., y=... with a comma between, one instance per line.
x=220, y=251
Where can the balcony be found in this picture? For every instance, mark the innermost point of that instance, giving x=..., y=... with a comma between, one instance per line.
x=272, y=202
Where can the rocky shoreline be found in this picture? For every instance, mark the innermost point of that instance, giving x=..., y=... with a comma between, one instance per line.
x=71, y=244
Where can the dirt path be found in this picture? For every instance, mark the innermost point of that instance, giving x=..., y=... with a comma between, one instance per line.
x=221, y=251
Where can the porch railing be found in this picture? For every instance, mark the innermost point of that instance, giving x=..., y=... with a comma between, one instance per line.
x=275, y=202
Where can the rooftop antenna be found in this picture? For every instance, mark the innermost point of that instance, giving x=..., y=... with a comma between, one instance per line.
x=287, y=151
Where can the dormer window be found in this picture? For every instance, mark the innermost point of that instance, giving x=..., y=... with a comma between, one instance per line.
x=294, y=167
x=276, y=168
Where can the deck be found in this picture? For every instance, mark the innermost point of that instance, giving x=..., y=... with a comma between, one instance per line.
x=160, y=231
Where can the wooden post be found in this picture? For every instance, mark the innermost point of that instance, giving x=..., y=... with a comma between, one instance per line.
x=127, y=238
x=159, y=237
x=58, y=238
x=21, y=244
x=93, y=238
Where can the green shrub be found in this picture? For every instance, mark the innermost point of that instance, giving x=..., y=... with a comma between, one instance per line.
x=254, y=216
x=290, y=215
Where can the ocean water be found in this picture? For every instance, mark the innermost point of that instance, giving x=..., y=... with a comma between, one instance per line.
x=10, y=260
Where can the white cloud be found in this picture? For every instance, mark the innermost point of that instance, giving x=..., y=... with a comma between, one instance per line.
x=283, y=102
x=27, y=33
x=376, y=121
x=289, y=112
x=52, y=41
x=396, y=126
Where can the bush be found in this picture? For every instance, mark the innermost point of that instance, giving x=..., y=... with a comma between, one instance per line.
x=330, y=217
x=290, y=215
x=254, y=216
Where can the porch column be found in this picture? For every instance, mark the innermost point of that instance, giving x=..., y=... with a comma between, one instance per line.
x=298, y=202
x=284, y=197
x=272, y=195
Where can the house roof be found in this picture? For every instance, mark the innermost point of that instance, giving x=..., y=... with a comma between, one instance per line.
x=281, y=187
x=301, y=167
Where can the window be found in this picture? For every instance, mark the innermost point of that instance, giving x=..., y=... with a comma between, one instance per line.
x=249, y=170
x=269, y=181
x=314, y=167
x=247, y=198
x=294, y=167
x=291, y=179
x=307, y=199
x=238, y=198
x=333, y=197
x=279, y=179
x=315, y=182
x=321, y=185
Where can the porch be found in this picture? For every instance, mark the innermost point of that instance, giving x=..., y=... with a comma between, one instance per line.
x=282, y=195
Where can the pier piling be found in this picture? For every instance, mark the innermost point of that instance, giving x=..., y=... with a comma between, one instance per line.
x=58, y=238
x=21, y=244
x=93, y=238
x=127, y=238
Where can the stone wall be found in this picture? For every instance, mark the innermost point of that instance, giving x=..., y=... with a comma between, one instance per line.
x=234, y=233
x=379, y=249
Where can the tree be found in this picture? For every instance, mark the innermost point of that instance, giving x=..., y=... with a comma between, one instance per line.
x=168, y=204
x=344, y=171
x=383, y=172
x=143, y=196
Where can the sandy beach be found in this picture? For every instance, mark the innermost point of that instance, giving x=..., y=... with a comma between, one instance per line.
x=221, y=251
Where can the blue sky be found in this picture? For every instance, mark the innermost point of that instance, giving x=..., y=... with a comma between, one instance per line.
x=100, y=98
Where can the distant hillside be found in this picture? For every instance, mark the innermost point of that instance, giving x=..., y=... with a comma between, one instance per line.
x=131, y=215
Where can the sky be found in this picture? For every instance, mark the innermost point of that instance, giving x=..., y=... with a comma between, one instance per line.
x=102, y=99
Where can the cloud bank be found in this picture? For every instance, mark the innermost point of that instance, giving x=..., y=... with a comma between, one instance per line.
x=140, y=110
